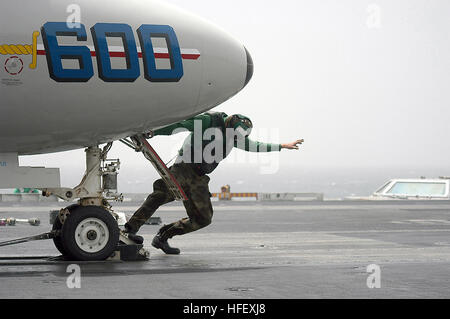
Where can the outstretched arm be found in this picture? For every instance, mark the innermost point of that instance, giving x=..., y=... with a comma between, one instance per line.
x=293, y=145
x=260, y=147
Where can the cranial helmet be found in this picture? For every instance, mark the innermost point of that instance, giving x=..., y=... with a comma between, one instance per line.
x=241, y=124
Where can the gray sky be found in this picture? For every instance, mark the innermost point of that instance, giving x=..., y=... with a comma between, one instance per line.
x=366, y=83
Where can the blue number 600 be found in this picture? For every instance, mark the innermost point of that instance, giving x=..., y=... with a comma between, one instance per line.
x=56, y=53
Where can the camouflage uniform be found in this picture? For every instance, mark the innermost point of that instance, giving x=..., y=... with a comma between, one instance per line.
x=198, y=207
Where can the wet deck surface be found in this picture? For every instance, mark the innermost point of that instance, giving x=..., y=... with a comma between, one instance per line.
x=271, y=250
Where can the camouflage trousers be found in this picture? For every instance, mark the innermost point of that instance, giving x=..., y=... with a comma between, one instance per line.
x=198, y=207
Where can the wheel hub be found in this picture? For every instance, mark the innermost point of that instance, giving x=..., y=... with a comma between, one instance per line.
x=91, y=235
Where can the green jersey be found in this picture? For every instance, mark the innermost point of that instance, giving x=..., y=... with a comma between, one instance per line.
x=202, y=123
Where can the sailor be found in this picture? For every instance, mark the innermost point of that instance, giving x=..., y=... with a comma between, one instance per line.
x=195, y=161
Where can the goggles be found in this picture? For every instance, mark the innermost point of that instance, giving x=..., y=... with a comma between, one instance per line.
x=242, y=125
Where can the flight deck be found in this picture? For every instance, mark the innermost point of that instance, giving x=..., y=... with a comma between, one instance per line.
x=253, y=250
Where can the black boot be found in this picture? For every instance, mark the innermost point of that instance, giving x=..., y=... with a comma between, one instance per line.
x=132, y=234
x=161, y=243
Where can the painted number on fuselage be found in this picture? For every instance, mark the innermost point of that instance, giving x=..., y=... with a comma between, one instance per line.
x=100, y=32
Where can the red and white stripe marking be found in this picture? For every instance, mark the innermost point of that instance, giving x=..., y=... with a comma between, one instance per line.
x=119, y=52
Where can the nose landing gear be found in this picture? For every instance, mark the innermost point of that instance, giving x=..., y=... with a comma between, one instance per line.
x=88, y=230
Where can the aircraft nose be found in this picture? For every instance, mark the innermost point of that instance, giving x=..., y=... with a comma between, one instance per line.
x=227, y=68
x=250, y=68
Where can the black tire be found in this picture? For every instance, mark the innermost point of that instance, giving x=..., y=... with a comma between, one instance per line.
x=104, y=221
x=57, y=240
x=58, y=226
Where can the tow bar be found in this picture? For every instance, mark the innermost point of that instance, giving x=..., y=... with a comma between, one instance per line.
x=44, y=236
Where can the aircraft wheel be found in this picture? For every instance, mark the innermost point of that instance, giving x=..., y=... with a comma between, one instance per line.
x=90, y=233
x=57, y=225
x=57, y=240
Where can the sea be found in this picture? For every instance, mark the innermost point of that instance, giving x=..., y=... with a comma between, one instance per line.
x=332, y=182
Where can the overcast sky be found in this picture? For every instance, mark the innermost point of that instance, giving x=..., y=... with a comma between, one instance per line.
x=365, y=83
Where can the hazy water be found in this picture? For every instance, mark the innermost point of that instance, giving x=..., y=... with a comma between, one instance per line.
x=333, y=182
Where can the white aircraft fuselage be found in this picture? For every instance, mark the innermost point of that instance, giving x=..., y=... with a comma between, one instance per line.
x=128, y=67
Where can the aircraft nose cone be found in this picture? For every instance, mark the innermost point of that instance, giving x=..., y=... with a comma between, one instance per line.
x=249, y=67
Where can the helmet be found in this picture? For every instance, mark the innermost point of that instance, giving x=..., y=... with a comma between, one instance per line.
x=241, y=124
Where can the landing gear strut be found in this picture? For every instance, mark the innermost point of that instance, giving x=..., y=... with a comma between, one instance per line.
x=88, y=230
x=99, y=183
